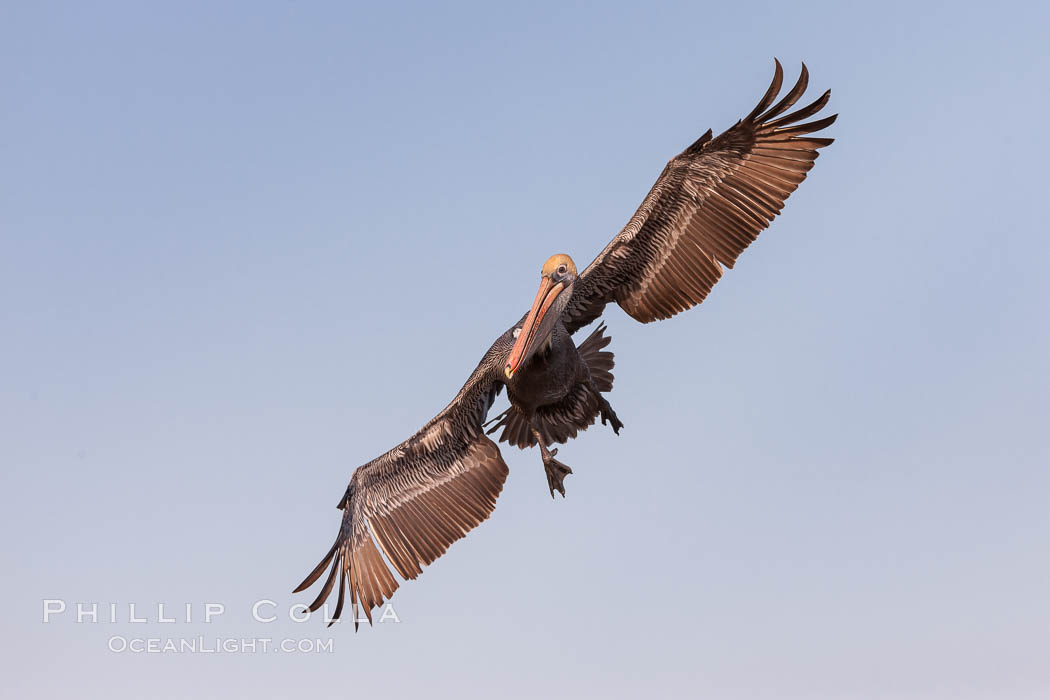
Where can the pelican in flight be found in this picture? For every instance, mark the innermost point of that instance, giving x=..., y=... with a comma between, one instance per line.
x=406, y=507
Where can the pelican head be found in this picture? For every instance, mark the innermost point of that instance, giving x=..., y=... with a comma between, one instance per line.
x=556, y=279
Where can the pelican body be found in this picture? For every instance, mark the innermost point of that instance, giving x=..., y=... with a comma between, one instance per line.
x=555, y=389
x=405, y=508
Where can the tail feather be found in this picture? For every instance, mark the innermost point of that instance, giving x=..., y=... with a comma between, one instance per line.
x=599, y=361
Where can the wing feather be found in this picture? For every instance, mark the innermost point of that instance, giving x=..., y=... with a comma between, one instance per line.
x=709, y=204
x=409, y=505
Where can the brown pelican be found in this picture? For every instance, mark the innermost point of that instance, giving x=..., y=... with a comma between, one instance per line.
x=709, y=203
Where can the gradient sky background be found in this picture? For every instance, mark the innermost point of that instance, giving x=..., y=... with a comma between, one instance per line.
x=248, y=247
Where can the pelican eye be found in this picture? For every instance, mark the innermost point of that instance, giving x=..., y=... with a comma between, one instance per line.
x=562, y=269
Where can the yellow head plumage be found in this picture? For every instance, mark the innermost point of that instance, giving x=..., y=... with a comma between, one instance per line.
x=556, y=261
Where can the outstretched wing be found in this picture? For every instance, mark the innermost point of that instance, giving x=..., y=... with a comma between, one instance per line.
x=708, y=205
x=417, y=499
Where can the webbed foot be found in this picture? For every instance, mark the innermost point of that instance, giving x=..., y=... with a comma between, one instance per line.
x=556, y=472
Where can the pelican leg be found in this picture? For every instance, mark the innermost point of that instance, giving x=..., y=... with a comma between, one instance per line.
x=607, y=412
x=556, y=471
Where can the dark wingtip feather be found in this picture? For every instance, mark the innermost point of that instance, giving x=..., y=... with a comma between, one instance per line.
x=800, y=113
x=339, y=601
x=790, y=98
x=326, y=590
x=318, y=570
x=771, y=91
x=809, y=127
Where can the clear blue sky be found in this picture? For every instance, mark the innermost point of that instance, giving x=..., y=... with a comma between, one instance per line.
x=246, y=248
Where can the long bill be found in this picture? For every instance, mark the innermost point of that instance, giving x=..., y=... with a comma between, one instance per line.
x=545, y=297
